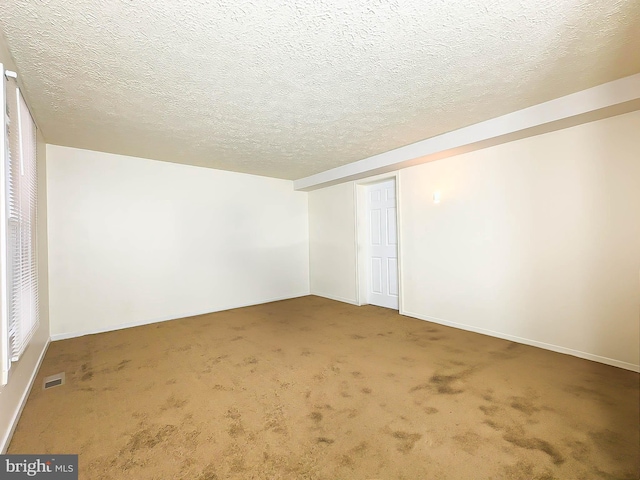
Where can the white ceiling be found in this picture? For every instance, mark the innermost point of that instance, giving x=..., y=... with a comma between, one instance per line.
x=289, y=88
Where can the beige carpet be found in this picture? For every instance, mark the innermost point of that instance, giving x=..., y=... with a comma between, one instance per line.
x=315, y=389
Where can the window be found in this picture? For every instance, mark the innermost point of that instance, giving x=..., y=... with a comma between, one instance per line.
x=18, y=227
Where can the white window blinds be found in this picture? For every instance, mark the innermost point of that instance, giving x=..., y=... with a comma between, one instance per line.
x=20, y=204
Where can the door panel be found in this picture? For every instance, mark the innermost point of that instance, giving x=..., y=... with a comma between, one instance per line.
x=376, y=228
x=376, y=275
x=392, y=265
x=392, y=235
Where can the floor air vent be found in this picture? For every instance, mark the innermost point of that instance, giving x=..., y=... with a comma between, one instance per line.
x=53, y=381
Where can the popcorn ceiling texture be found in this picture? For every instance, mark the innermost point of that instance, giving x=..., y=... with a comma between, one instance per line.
x=291, y=88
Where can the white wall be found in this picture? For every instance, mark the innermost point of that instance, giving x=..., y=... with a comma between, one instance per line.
x=22, y=373
x=135, y=241
x=332, y=245
x=536, y=240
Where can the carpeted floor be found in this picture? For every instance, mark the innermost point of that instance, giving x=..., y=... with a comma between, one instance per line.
x=315, y=389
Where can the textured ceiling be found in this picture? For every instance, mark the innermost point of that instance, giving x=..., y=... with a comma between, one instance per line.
x=288, y=88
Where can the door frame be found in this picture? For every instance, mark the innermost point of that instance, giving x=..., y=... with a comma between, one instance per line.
x=360, y=201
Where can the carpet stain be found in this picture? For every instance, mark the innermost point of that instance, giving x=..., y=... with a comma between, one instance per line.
x=275, y=421
x=209, y=473
x=605, y=440
x=516, y=438
x=469, y=441
x=524, y=470
x=325, y=440
x=492, y=424
x=422, y=386
x=122, y=365
x=183, y=348
x=173, y=402
x=191, y=437
x=218, y=359
x=233, y=413
x=488, y=395
x=579, y=450
x=448, y=384
x=87, y=372
x=510, y=352
x=360, y=449
x=524, y=405
x=406, y=440
x=489, y=410
x=149, y=437
x=237, y=464
x=582, y=391
x=351, y=412
x=315, y=416
x=235, y=430
x=601, y=474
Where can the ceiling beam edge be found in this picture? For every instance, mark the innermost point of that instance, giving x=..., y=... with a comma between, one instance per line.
x=606, y=100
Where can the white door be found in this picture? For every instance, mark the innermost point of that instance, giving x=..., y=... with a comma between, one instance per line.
x=382, y=245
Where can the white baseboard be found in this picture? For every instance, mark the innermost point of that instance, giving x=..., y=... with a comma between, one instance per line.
x=111, y=328
x=23, y=400
x=526, y=341
x=336, y=298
